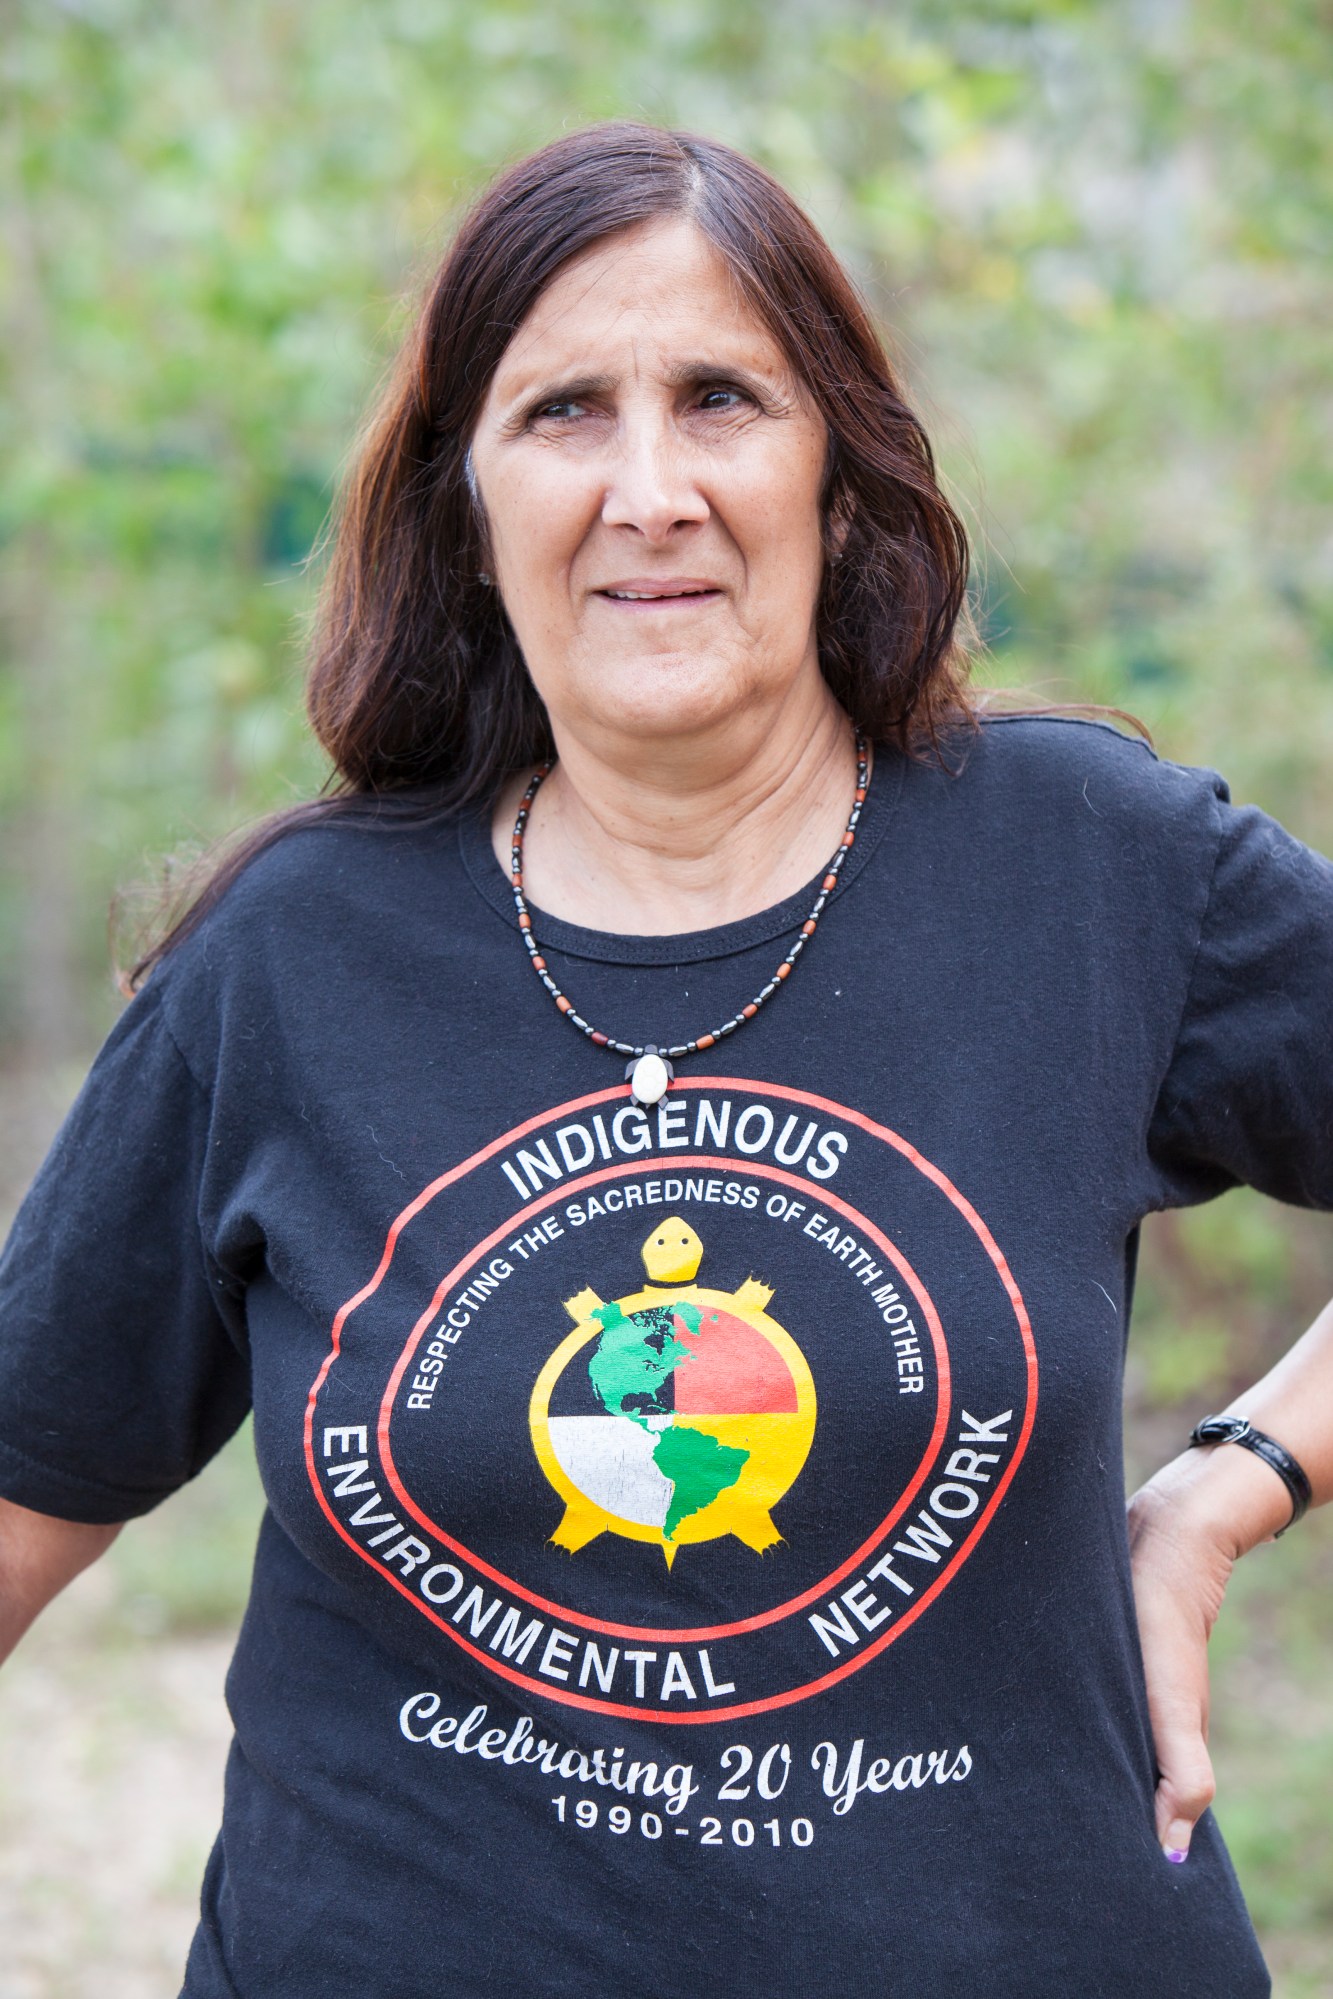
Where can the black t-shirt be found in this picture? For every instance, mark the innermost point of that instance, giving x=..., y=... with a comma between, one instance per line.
x=695, y=1559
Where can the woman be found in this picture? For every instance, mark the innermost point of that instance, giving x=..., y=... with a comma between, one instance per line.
x=695, y=1558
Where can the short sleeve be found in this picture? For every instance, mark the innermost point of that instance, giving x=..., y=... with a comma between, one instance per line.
x=122, y=1348
x=1248, y=1095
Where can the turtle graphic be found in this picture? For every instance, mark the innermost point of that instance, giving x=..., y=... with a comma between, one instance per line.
x=675, y=1414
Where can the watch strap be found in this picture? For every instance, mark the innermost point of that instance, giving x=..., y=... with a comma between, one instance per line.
x=1238, y=1430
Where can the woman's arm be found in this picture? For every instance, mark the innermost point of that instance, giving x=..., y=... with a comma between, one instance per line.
x=38, y=1556
x=1188, y=1526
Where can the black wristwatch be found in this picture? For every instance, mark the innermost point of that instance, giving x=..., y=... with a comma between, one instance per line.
x=1237, y=1430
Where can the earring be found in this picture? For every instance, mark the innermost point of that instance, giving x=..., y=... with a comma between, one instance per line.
x=482, y=577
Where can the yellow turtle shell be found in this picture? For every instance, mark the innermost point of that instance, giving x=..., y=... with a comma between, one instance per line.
x=696, y=1471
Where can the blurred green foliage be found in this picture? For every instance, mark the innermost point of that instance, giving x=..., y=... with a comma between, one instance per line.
x=1101, y=238
x=1099, y=234
x=1272, y=1743
x=186, y=1567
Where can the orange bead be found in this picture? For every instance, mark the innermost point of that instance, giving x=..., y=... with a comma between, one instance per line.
x=564, y=1005
x=808, y=927
x=705, y=1041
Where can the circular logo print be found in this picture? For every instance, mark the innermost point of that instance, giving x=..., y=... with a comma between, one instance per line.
x=686, y=1414
x=675, y=1414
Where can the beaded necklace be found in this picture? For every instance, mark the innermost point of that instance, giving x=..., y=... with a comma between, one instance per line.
x=649, y=1069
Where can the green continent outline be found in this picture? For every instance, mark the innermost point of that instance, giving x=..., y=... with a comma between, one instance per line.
x=699, y=1468
x=630, y=1368
x=636, y=1357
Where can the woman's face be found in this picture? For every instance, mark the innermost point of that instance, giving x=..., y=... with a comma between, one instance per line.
x=650, y=473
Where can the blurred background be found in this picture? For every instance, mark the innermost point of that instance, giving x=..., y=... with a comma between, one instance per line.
x=1101, y=240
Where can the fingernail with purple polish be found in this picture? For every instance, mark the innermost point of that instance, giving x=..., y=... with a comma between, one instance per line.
x=1176, y=1854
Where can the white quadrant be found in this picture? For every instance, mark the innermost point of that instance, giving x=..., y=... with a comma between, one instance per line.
x=610, y=1460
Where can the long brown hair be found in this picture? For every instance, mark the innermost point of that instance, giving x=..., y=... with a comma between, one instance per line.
x=417, y=688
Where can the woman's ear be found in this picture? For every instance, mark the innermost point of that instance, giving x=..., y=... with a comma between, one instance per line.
x=838, y=507
x=484, y=575
x=837, y=527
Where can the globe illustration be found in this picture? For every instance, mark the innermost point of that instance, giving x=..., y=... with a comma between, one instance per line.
x=674, y=1414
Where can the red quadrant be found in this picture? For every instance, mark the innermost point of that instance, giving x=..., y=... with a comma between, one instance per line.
x=731, y=1371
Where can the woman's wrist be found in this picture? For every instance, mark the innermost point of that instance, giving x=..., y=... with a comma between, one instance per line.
x=1220, y=1492
x=1245, y=1435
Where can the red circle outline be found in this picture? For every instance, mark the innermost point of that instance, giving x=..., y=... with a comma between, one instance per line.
x=741, y=1709
x=687, y=1635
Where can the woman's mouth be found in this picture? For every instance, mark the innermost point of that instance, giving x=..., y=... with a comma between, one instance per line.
x=670, y=594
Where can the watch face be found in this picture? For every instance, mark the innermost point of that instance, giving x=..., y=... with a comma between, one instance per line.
x=1220, y=1430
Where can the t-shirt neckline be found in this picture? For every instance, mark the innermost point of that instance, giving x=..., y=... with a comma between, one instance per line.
x=691, y=946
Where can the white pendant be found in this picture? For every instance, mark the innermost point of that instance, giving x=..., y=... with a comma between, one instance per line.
x=648, y=1084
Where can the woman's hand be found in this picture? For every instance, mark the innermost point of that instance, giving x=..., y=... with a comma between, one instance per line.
x=1181, y=1571
x=1188, y=1527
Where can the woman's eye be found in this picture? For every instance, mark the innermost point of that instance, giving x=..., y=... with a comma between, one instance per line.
x=721, y=398
x=559, y=411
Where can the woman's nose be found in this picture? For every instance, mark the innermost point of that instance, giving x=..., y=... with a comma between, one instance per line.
x=652, y=482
